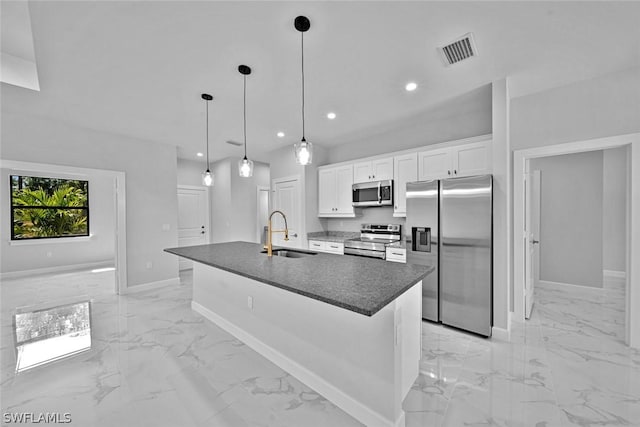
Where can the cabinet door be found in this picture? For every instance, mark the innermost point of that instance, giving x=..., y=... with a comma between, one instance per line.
x=405, y=169
x=362, y=172
x=326, y=191
x=382, y=169
x=472, y=159
x=344, y=181
x=434, y=164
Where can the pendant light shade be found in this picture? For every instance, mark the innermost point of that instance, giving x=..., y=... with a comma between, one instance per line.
x=207, y=176
x=245, y=166
x=303, y=150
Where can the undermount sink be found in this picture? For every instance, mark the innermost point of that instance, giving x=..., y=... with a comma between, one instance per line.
x=289, y=253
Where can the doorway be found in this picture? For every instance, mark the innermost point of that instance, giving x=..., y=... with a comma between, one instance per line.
x=262, y=211
x=523, y=239
x=287, y=199
x=193, y=219
x=113, y=179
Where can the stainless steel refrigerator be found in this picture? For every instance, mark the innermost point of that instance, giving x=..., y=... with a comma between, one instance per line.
x=450, y=226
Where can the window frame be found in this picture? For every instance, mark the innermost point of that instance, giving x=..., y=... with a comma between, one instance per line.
x=12, y=207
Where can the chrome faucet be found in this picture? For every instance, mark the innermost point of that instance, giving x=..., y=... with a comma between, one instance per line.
x=269, y=246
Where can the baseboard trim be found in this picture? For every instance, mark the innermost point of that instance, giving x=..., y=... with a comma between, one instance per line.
x=151, y=286
x=614, y=274
x=57, y=269
x=345, y=402
x=500, y=334
x=550, y=283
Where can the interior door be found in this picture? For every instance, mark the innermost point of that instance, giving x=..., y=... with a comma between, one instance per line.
x=286, y=198
x=532, y=264
x=193, y=220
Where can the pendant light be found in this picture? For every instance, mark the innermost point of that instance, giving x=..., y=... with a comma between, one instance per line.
x=207, y=176
x=245, y=166
x=303, y=150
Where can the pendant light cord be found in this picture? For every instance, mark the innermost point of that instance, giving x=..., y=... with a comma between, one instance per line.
x=244, y=113
x=302, y=56
x=208, y=167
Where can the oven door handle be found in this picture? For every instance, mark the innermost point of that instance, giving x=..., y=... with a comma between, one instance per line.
x=379, y=194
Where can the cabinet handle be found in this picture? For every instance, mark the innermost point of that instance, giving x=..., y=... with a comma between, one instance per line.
x=202, y=232
x=396, y=253
x=449, y=172
x=455, y=172
x=374, y=176
x=334, y=247
x=369, y=176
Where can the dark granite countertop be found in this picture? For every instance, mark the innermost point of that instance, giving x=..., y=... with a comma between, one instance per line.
x=363, y=285
x=333, y=236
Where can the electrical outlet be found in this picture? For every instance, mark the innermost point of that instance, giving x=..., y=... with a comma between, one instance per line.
x=149, y=265
x=250, y=302
x=49, y=254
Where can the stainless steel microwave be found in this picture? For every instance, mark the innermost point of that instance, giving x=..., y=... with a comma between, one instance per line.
x=378, y=193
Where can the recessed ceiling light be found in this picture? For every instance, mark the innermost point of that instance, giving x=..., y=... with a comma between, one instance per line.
x=331, y=116
x=199, y=154
x=411, y=86
x=280, y=134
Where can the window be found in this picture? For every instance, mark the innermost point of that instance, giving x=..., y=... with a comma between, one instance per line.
x=45, y=208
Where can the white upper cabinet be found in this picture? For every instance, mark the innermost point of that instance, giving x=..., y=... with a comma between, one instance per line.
x=450, y=162
x=405, y=169
x=473, y=159
x=434, y=164
x=334, y=191
x=373, y=170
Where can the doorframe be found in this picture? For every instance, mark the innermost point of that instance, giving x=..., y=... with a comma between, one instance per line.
x=119, y=183
x=303, y=221
x=521, y=160
x=260, y=188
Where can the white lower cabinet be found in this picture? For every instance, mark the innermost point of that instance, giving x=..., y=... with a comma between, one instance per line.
x=328, y=247
x=396, y=255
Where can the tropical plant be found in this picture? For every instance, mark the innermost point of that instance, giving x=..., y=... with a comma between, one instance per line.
x=52, y=212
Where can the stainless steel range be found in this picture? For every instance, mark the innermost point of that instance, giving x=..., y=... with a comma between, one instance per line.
x=373, y=240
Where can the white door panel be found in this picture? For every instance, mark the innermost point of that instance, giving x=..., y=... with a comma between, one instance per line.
x=532, y=238
x=193, y=220
x=286, y=198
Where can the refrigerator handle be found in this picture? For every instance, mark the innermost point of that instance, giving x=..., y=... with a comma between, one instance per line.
x=379, y=194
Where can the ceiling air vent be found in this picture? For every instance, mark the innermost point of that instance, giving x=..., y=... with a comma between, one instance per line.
x=237, y=144
x=460, y=49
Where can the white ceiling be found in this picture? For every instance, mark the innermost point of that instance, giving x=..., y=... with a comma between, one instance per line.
x=138, y=68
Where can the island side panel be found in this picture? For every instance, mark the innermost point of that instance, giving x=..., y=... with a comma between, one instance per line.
x=358, y=362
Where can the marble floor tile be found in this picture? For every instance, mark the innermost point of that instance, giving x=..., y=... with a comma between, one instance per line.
x=155, y=362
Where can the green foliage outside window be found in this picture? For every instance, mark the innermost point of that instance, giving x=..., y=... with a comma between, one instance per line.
x=48, y=207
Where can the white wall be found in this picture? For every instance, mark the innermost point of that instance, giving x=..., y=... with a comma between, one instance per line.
x=614, y=209
x=150, y=168
x=374, y=215
x=604, y=106
x=571, y=218
x=100, y=248
x=460, y=117
x=233, y=201
x=283, y=164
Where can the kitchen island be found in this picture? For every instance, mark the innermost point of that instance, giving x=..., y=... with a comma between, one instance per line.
x=349, y=327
